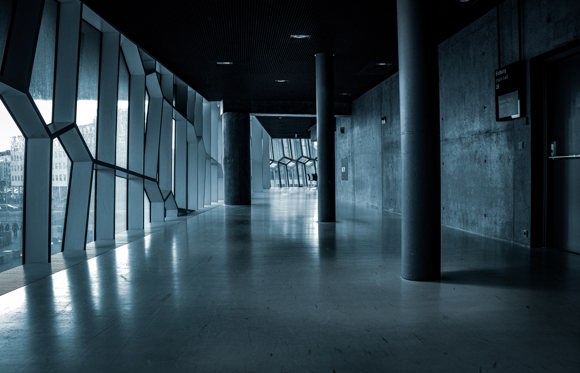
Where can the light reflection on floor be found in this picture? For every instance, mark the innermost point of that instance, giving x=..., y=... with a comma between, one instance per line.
x=265, y=288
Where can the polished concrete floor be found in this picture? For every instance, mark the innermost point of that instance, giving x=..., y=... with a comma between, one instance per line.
x=268, y=289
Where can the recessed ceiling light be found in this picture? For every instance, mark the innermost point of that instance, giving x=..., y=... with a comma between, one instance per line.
x=383, y=64
x=281, y=80
x=300, y=36
x=224, y=63
x=344, y=93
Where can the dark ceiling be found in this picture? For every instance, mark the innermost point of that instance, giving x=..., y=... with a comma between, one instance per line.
x=190, y=37
x=287, y=127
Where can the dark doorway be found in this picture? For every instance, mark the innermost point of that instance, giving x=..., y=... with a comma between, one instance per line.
x=562, y=150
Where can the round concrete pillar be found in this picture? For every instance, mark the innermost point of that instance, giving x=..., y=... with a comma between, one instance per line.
x=325, y=126
x=237, y=175
x=420, y=148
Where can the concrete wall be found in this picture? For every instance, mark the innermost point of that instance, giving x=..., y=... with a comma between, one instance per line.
x=344, y=155
x=486, y=165
x=391, y=145
x=476, y=151
x=366, y=141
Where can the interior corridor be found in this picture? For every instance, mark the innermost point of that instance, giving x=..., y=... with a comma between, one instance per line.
x=265, y=288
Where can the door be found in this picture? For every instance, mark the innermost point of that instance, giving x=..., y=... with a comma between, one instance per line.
x=563, y=169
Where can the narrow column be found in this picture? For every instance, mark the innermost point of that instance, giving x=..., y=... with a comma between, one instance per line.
x=421, y=184
x=135, y=210
x=107, y=137
x=237, y=179
x=325, y=125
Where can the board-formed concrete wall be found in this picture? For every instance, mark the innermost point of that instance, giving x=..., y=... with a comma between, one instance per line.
x=485, y=165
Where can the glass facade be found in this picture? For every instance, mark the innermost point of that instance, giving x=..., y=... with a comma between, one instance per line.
x=51, y=188
x=293, y=163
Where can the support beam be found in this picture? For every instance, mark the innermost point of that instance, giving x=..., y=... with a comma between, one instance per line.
x=192, y=164
x=37, y=200
x=237, y=176
x=166, y=150
x=420, y=148
x=201, y=155
x=67, y=62
x=135, y=209
x=181, y=161
x=107, y=137
x=77, y=209
x=215, y=118
x=325, y=125
x=18, y=59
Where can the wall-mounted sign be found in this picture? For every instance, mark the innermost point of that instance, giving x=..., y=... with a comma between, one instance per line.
x=344, y=169
x=510, y=91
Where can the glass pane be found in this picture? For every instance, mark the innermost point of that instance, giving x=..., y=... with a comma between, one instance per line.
x=146, y=107
x=283, y=176
x=120, y=204
x=60, y=176
x=313, y=149
x=301, y=175
x=295, y=182
x=5, y=16
x=277, y=148
x=146, y=210
x=91, y=222
x=287, y=151
x=311, y=170
x=122, y=113
x=297, y=152
x=173, y=156
x=42, y=80
x=275, y=177
x=305, y=143
x=12, y=147
x=88, y=85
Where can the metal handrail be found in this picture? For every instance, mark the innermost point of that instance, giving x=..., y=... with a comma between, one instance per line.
x=571, y=156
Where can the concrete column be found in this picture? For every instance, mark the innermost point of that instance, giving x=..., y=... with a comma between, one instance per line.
x=237, y=177
x=419, y=95
x=325, y=125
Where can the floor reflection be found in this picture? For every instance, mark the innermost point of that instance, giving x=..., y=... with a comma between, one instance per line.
x=268, y=288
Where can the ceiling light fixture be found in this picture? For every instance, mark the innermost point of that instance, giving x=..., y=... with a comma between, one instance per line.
x=224, y=63
x=386, y=64
x=281, y=80
x=345, y=93
x=300, y=36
